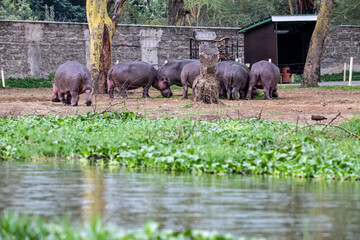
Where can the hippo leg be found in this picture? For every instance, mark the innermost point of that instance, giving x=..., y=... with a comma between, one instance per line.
x=235, y=92
x=146, y=92
x=185, y=96
x=75, y=98
x=62, y=98
x=242, y=94
x=87, y=97
x=110, y=91
x=275, y=93
x=123, y=93
x=68, y=99
x=267, y=92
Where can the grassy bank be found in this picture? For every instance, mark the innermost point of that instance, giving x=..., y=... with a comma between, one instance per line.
x=24, y=227
x=221, y=146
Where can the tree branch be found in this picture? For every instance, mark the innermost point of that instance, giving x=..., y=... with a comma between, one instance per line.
x=117, y=10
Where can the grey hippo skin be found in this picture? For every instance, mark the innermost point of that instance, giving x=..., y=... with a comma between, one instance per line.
x=188, y=74
x=134, y=74
x=220, y=70
x=235, y=80
x=267, y=75
x=72, y=79
x=172, y=70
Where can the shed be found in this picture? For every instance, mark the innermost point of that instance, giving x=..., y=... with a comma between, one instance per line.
x=283, y=39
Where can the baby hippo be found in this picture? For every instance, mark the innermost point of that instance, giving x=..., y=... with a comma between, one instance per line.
x=134, y=74
x=235, y=80
x=188, y=74
x=264, y=74
x=72, y=79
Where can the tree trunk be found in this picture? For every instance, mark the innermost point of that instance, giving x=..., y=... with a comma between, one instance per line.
x=102, y=29
x=206, y=86
x=176, y=12
x=311, y=74
x=291, y=7
x=306, y=6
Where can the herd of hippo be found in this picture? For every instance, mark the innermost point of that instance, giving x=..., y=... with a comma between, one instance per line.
x=72, y=79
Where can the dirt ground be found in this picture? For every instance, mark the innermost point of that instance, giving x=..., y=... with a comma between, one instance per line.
x=293, y=105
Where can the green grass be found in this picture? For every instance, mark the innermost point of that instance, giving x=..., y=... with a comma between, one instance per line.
x=24, y=227
x=221, y=146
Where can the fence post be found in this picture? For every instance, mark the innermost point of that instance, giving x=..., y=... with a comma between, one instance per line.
x=351, y=68
x=2, y=78
x=344, y=72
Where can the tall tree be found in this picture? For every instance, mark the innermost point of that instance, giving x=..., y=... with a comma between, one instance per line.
x=176, y=12
x=102, y=29
x=311, y=74
x=306, y=6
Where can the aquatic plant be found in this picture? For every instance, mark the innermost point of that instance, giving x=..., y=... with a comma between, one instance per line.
x=222, y=146
x=22, y=226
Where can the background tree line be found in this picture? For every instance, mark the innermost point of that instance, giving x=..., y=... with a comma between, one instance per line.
x=225, y=13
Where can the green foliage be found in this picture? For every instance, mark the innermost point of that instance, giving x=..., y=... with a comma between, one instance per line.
x=21, y=227
x=15, y=10
x=30, y=82
x=222, y=146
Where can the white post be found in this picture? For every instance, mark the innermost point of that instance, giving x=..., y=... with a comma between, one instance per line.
x=269, y=59
x=2, y=78
x=117, y=61
x=344, y=72
x=292, y=78
x=166, y=61
x=351, y=68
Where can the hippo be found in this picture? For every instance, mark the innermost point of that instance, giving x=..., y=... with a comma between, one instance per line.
x=188, y=74
x=172, y=70
x=72, y=79
x=220, y=69
x=134, y=74
x=235, y=80
x=265, y=74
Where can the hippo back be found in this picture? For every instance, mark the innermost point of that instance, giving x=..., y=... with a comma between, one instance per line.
x=132, y=74
x=172, y=70
x=189, y=72
x=72, y=76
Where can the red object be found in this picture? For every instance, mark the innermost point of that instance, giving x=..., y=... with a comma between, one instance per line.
x=285, y=73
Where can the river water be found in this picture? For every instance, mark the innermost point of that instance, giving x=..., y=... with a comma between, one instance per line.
x=259, y=207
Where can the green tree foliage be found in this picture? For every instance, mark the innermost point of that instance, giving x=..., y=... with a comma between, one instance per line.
x=64, y=10
x=223, y=13
x=346, y=12
x=15, y=10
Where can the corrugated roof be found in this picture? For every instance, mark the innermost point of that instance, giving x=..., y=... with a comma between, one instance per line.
x=282, y=19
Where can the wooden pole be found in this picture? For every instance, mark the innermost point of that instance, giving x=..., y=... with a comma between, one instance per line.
x=2, y=78
x=351, y=68
x=344, y=72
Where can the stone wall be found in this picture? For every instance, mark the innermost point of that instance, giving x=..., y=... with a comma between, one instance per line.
x=342, y=42
x=37, y=48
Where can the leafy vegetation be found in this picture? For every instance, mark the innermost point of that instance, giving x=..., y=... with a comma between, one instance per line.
x=21, y=227
x=30, y=82
x=222, y=146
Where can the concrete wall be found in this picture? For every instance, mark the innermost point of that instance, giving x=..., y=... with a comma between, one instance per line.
x=342, y=42
x=38, y=48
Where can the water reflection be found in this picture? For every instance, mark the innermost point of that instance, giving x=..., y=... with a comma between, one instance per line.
x=244, y=206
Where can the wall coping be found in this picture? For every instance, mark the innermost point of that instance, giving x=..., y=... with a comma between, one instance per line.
x=120, y=25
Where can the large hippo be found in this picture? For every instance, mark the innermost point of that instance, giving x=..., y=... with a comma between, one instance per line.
x=235, y=79
x=220, y=69
x=188, y=74
x=264, y=74
x=134, y=74
x=172, y=70
x=72, y=79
